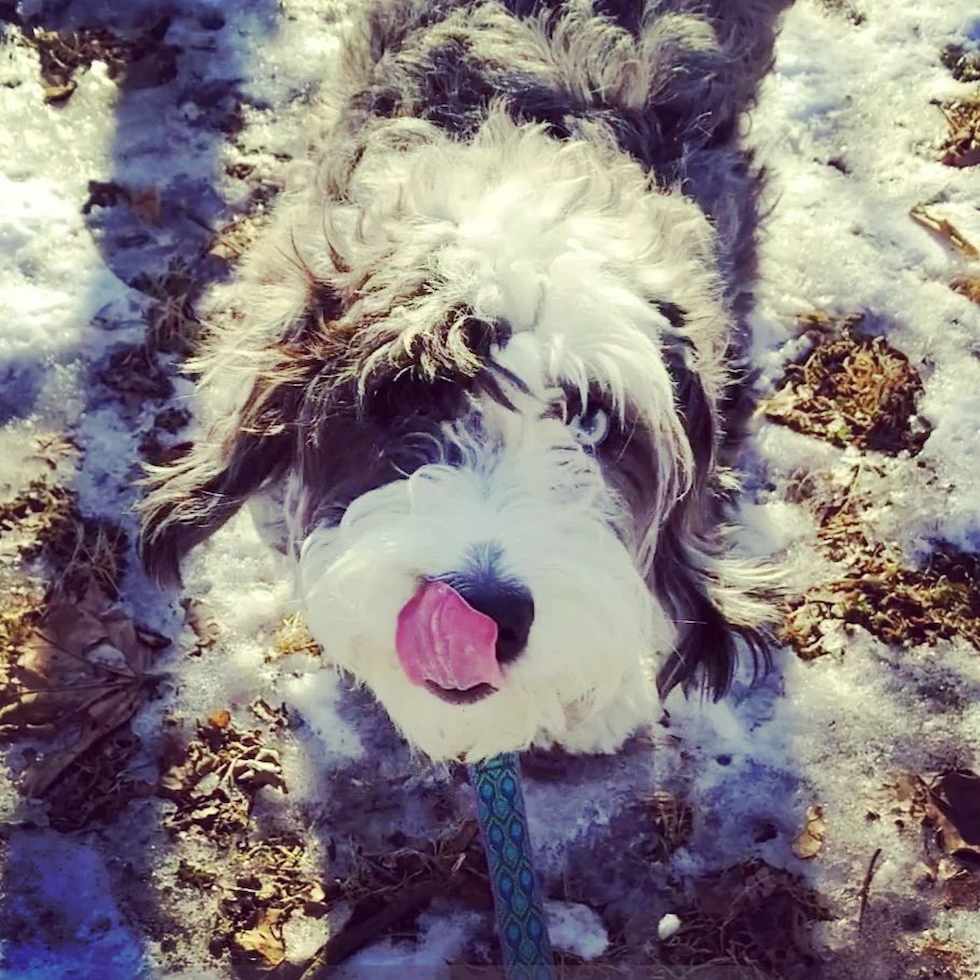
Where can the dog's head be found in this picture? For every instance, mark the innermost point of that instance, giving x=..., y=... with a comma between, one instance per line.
x=504, y=382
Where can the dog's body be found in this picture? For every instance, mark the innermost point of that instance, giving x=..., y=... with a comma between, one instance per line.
x=485, y=345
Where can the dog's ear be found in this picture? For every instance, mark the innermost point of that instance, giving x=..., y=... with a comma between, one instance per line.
x=712, y=598
x=192, y=497
x=715, y=601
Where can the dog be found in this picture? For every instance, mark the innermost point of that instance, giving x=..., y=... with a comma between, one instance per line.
x=472, y=379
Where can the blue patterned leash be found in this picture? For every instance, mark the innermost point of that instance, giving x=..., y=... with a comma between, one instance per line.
x=516, y=897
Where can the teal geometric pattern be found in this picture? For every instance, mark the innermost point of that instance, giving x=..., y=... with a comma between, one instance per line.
x=520, y=914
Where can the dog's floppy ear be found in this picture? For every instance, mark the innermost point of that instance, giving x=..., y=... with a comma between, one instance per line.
x=712, y=597
x=192, y=497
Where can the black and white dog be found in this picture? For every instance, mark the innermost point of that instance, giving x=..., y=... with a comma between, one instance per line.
x=474, y=369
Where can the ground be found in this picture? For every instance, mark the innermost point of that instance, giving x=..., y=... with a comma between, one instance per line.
x=188, y=793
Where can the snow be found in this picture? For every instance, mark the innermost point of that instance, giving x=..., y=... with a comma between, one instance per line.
x=441, y=940
x=65, y=883
x=575, y=928
x=667, y=926
x=844, y=97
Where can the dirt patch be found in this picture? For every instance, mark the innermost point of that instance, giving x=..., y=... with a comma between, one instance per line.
x=963, y=65
x=851, y=391
x=940, y=959
x=160, y=443
x=140, y=62
x=134, y=374
x=944, y=810
x=751, y=916
x=900, y=605
x=97, y=786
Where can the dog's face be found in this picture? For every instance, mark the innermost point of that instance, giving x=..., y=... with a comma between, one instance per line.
x=531, y=500
x=497, y=407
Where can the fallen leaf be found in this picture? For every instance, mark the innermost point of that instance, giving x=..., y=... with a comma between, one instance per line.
x=81, y=672
x=54, y=94
x=956, y=795
x=962, y=891
x=810, y=840
x=265, y=940
x=220, y=718
x=214, y=778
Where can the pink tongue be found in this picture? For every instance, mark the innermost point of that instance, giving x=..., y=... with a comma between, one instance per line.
x=440, y=638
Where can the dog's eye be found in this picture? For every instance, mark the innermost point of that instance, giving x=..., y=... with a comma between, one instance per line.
x=591, y=426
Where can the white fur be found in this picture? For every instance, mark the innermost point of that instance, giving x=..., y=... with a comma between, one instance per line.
x=585, y=679
x=575, y=248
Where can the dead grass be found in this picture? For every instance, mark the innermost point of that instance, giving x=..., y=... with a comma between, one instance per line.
x=961, y=147
x=963, y=65
x=945, y=230
x=173, y=324
x=389, y=890
x=294, y=637
x=751, y=916
x=673, y=819
x=900, y=605
x=43, y=522
x=851, y=391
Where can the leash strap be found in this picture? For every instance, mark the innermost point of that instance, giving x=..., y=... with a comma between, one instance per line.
x=516, y=897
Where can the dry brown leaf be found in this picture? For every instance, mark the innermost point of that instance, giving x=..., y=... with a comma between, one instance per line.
x=956, y=796
x=265, y=939
x=220, y=718
x=809, y=842
x=214, y=778
x=81, y=674
x=54, y=94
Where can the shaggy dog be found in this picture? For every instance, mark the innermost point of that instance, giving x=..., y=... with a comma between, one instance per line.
x=472, y=376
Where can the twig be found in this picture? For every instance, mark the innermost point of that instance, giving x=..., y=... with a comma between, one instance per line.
x=866, y=887
x=946, y=230
x=349, y=941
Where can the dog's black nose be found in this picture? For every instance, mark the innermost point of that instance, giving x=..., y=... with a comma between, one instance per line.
x=509, y=604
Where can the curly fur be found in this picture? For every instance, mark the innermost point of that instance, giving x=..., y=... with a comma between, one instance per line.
x=515, y=212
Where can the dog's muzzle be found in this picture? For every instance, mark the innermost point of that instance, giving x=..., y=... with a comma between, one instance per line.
x=455, y=637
